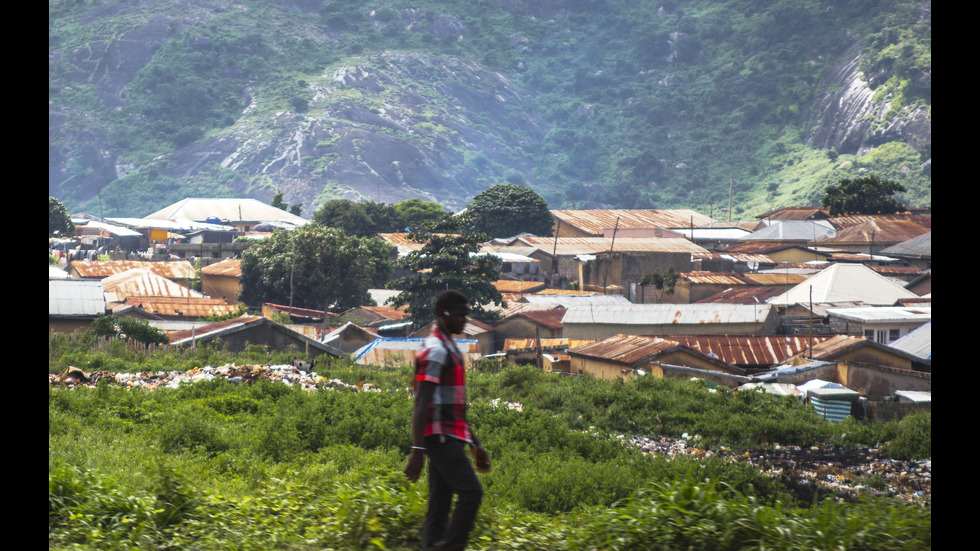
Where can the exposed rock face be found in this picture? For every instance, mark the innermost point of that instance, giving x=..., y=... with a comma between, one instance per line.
x=847, y=119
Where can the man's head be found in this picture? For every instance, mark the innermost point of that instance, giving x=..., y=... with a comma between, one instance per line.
x=452, y=308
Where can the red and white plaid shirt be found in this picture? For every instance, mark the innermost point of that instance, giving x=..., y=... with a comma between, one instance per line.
x=441, y=363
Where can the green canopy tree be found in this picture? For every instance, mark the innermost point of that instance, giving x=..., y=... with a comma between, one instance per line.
x=864, y=195
x=450, y=258
x=314, y=267
x=59, y=220
x=505, y=210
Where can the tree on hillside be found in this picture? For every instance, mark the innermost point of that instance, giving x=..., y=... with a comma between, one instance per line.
x=864, y=195
x=59, y=220
x=505, y=210
x=448, y=259
x=413, y=212
x=314, y=267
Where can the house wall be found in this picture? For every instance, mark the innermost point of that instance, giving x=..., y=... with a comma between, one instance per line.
x=795, y=255
x=621, y=269
x=604, y=369
x=879, y=383
x=66, y=325
x=223, y=287
x=519, y=328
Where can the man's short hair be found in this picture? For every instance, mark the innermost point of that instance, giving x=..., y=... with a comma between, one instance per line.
x=450, y=299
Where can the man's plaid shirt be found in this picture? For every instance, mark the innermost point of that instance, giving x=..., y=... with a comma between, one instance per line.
x=441, y=363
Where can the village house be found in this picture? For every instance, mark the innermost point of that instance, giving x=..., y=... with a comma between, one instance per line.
x=693, y=287
x=237, y=334
x=73, y=304
x=626, y=356
x=883, y=324
x=537, y=323
x=222, y=280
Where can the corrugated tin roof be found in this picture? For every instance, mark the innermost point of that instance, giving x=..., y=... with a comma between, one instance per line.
x=568, y=246
x=170, y=269
x=774, y=279
x=841, y=222
x=743, y=294
x=549, y=318
x=75, y=297
x=666, y=314
x=917, y=247
x=793, y=230
x=714, y=278
x=796, y=213
x=569, y=300
x=226, y=209
x=187, y=307
x=625, y=349
x=844, y=283
x=917, y=342
x=766, y=247
x=748, y=350
x=884, y=313
x=597, y=221
x=509, y=286
x=230, y=267
x=132, y=283
x=877, y=231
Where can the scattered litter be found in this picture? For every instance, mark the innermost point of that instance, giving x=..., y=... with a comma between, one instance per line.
x=244, y=374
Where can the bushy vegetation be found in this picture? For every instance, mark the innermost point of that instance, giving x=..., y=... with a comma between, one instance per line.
x=217, y=465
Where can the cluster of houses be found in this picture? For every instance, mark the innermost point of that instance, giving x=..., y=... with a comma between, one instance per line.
x=835, y=310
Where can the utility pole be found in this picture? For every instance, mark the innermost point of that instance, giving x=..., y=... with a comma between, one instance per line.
x=731, y=188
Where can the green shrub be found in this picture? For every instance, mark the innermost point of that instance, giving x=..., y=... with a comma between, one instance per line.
x=913, y=439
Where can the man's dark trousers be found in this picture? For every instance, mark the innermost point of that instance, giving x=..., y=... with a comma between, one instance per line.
x=450, y=472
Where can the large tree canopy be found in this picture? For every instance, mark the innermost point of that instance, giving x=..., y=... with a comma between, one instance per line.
x=314, y=267
x=505, y=210
x=368, y=218
x=864, y=195
x=450, y=258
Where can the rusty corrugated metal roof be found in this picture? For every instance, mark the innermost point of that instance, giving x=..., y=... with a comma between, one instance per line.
x=716, y=278
x=796, y=213
x=885, y=232
x=565, y=246
x=517, y=287
x=595, y=222
x=98, y=269
x=830, y=347
x=625, y=349
x=187, y=307
x=230, y=267
x=144, y=283
x=773, y=279
x=747, y=294
x=748, y=350
x=841, y=222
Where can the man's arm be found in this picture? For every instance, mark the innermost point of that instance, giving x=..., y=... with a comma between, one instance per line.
x=423, y=400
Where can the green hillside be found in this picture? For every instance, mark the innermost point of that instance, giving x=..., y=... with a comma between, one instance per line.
x=662, y=104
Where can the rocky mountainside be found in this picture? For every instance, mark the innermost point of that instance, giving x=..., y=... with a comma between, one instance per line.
x=618, y=105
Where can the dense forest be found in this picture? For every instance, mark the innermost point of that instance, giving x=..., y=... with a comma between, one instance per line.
x=593, y=104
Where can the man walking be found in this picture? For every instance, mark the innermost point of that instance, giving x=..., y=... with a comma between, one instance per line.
x=440, y=431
